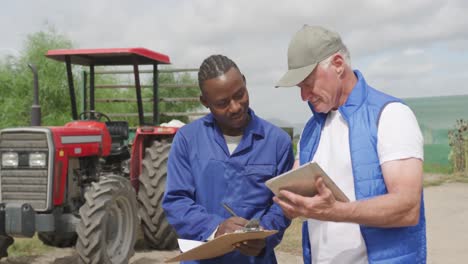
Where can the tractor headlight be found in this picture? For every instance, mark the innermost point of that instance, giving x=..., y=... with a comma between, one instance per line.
x=37, y=160
x=10, y=159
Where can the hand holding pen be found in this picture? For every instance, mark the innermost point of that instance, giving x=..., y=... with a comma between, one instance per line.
x=252, y=224
x=231, y=224
x=249, y=247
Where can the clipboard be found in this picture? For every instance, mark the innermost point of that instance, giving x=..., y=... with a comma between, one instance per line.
x=220, y=245
x=302, y=181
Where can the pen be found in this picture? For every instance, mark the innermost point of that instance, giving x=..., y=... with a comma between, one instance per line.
x=252, y=225
x=229, y=209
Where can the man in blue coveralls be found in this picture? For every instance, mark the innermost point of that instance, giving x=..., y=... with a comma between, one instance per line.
x=225, y=158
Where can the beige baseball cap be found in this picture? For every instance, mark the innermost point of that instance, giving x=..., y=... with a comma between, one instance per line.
x=309, y=46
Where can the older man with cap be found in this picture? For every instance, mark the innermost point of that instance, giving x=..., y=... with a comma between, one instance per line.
x=370, y=144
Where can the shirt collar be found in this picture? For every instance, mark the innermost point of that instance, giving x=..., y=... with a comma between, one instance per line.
x=255, y=125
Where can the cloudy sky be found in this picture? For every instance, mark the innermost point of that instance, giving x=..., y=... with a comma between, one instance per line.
x=410, y=48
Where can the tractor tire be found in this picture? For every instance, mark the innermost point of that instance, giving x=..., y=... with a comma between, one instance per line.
x=158, y=233
x=5, y=242
x=58, y=240
x=107, y=230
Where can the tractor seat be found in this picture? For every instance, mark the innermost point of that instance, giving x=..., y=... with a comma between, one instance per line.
x=118, y=130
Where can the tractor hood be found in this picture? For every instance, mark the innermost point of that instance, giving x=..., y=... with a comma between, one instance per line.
x=82, y=138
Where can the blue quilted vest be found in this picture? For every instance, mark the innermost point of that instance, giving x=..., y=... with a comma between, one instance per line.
x=362, y=111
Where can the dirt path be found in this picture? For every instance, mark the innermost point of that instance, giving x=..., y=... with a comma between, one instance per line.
x=447, y=233
x=447, y=229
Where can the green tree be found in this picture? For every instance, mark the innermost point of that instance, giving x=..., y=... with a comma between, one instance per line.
x=178, y=107
x=16, y=82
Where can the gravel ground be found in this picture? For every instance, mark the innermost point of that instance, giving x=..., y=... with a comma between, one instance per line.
x=447, y=234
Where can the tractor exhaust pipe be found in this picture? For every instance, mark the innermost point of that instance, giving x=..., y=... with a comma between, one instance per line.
x=35, y=108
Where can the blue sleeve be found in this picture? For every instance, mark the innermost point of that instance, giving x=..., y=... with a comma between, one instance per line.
x=274, y=219
x=190, y=220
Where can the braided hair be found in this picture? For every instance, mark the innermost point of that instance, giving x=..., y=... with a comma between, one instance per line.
x=214, y=66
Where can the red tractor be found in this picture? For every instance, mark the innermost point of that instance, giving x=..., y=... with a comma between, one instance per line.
x=81, y=184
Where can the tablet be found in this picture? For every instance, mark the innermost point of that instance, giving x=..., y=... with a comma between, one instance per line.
x=302, y=181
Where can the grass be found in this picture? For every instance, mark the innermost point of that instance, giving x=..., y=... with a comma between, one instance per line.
x=460, y=178
x=28, y=247
x=445, y=178
x=438, y=180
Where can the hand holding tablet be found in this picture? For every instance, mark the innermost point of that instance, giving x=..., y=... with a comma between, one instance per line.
x=302, y=181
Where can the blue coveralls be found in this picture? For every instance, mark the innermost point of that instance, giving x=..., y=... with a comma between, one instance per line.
x=202, y=175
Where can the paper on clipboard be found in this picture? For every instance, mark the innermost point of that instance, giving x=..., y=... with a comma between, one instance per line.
x=220, y=245
x=186, y=244
x=302, y=181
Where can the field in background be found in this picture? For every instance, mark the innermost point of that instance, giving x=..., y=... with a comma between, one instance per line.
x=436, y=116
x=439, y=113
x=436, y=158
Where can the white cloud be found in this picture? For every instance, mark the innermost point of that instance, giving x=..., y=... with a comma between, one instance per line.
x=412, y=52
x=400, y=66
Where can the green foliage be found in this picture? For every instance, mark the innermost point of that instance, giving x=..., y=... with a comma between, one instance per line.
x=194, y=91
x=16, y=82
x=12, y=88
x=294, y=145
x=28, y=247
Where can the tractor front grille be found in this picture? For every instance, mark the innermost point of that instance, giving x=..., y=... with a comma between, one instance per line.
x=23, y=183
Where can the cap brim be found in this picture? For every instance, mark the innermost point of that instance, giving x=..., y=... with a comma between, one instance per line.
x=295, y=76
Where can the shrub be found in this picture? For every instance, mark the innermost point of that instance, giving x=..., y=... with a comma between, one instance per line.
x=458, y=138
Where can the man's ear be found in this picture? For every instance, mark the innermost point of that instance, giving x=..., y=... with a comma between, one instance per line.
x=339, y=63
x=203, y=101
x=243, y=78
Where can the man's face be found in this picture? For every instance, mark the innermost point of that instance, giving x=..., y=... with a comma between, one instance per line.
x=228, y=100
x=322, y=88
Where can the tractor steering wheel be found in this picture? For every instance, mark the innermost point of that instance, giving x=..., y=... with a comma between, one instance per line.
x=93, y=115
